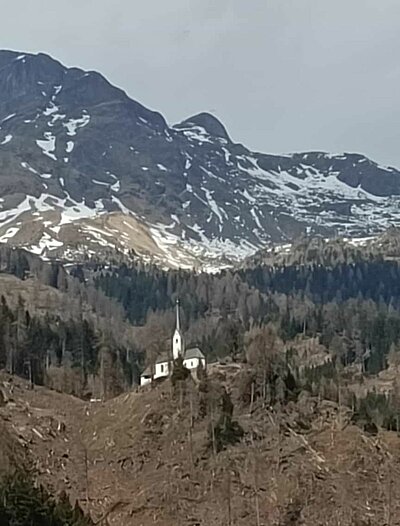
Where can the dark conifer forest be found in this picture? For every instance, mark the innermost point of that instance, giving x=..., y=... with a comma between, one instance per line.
x=352, y=309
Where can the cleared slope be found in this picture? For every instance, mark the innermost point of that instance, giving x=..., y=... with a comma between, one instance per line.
x=146, y=464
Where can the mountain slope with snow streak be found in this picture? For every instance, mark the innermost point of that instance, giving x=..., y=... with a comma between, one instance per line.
x=76, y=153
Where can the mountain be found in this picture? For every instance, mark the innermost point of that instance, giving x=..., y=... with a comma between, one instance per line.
x=86, y=169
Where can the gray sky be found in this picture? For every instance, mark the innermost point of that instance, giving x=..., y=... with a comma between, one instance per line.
x=282, y=75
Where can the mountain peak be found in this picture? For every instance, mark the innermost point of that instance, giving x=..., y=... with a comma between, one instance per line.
x=209, y=122
x=6, y=56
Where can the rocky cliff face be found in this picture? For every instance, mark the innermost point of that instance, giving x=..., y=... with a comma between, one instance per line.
x=84, y=167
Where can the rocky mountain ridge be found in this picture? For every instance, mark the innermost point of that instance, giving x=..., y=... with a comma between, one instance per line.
x=84, y=168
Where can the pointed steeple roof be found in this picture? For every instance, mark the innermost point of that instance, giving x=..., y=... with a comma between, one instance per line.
x=178, y=321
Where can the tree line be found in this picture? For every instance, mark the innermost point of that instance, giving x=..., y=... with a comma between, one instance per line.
x=69, y=354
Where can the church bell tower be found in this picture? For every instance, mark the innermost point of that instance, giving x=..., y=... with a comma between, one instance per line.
x=178, y=347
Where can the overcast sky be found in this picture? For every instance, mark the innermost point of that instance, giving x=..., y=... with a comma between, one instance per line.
x=282, y=75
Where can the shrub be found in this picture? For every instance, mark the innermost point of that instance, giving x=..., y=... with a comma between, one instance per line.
x=24, y=504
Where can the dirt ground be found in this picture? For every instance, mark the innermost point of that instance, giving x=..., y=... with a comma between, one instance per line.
x=144, y=459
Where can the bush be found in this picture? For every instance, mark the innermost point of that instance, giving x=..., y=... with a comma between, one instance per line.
x=377, y=410
x=225, y=431
x=180, y=373
x=24, y=504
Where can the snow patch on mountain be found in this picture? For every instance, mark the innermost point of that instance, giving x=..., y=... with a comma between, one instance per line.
x=11, y=232
x=196, y=133
x=74, y=124
x=45, y=244
x=6, y=140
x=10, y=116
x=52, y=108
x=116, y=186
x=48, y=145
x=27, y=166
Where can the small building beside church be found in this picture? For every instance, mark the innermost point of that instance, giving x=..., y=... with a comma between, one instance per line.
x=192, y=357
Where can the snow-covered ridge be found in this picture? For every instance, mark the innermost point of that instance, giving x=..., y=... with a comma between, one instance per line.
x=95, y=230
x=92, y=154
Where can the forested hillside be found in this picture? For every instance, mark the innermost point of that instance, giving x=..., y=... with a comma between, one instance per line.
x=59, y=332
x=351, y=308
x=303, y=360
x=376, y=280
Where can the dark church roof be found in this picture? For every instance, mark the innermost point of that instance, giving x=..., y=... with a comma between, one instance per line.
x=194, y=352
x=147, y=371
x=164, y=357
x=190, y=354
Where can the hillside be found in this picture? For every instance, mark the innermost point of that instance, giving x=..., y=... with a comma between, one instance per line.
x=84, y=169
x=309, y=250
x=304, y=463
x=296, y=422
x=57, y=331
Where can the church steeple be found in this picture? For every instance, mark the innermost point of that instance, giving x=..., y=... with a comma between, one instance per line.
x=178, y=348
x=178, y=321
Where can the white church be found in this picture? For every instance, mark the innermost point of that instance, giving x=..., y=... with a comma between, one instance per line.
x=192, y=357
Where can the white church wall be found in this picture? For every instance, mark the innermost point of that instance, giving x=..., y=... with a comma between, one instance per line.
x=177, y=344
x=192, y=363
x=161, y=369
